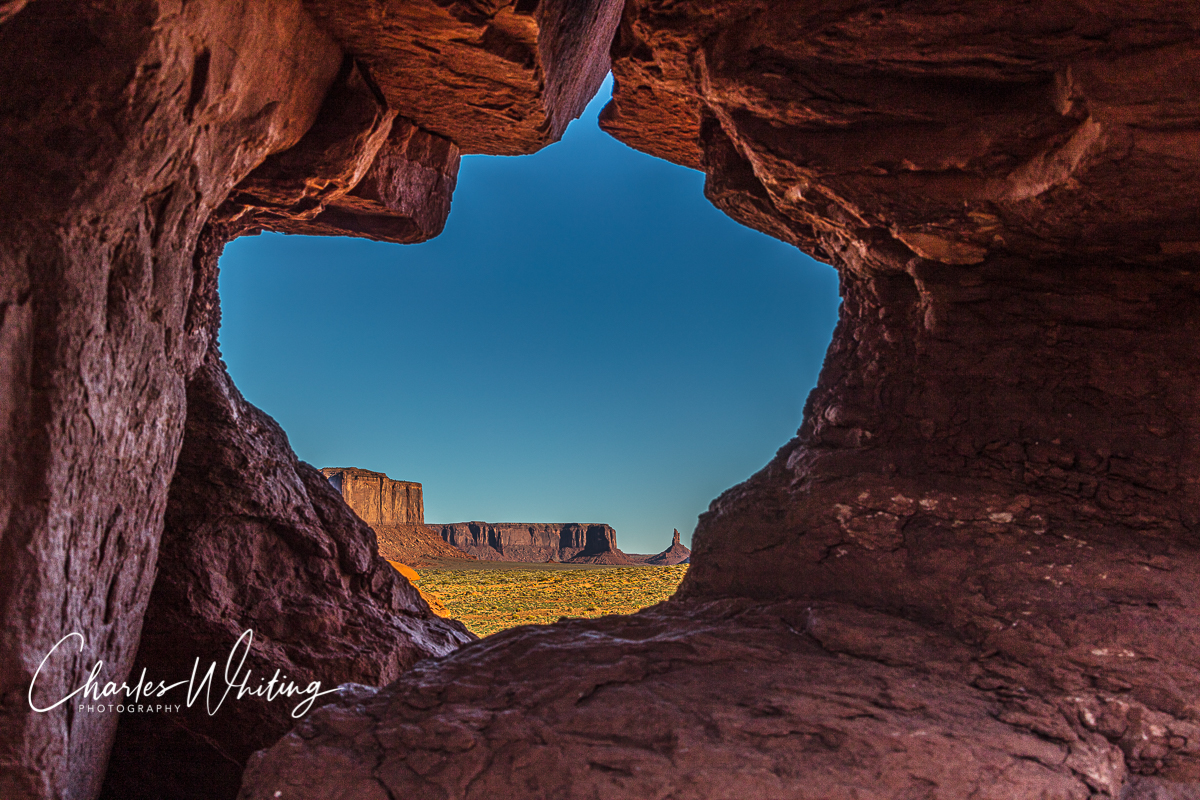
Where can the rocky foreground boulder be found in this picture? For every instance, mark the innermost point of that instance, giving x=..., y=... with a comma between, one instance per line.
x=255, y=539
x=701, y=701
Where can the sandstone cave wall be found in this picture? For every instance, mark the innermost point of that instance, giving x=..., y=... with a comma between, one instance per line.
x=142, y=135
x=255, y=539
x=993, y=486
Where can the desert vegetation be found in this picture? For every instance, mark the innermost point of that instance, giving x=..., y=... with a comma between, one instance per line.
x=488, y=600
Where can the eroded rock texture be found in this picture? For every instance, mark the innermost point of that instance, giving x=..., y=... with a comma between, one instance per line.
x=874, y=133
x=1002, y=441
x=975, y=569
x=712, y=701
x=256, y=540
x=359, y=171
x=573, y=542
x=124, y=129
x=502, y=77
x=998, y=462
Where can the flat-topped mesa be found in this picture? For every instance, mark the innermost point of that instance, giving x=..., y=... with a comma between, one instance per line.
x=537, y=542
x=376, y=498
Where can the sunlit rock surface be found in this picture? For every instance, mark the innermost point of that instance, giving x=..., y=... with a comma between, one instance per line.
x=574, y=542
x=376, y=498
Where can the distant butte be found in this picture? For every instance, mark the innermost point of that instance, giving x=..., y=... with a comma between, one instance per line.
x=395, y=510
x=537, y=542
x=673, y=555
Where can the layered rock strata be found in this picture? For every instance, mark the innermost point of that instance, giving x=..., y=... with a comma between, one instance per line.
x=395, y=510
x=376, y=498
x=502, y=77
x=255, y=539
x=128, y=127
x=536, y=542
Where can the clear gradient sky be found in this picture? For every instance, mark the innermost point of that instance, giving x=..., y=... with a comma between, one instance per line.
x=588, y=341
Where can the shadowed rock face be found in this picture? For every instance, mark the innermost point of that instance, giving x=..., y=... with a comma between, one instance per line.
x=998, y=462
x=536, y=542
x=1002, y=442
x=256, y=540
x=123, y=130
x=693, y=700
x=127, y=127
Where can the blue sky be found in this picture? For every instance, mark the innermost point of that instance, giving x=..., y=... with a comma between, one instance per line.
x=588, y=341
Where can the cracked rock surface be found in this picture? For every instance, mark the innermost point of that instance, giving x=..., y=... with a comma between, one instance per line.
x=724, y=699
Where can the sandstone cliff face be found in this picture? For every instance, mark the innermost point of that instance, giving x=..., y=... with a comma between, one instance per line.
x=536, y=542
x=376, y=498
x=255, y=539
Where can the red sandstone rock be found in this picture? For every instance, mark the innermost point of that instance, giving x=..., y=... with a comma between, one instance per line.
x=121, y=127
x=359, y=171
x=255, y=539
x=999, y=458
x=705, y=701
x=997, y=463
x=675, y=554
x=125, y=125
x=395, y=510
x=494, y=76
x=947, y=131
x=376, y=498
x=536, y=542
x=416, y=545
x=999, y=444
